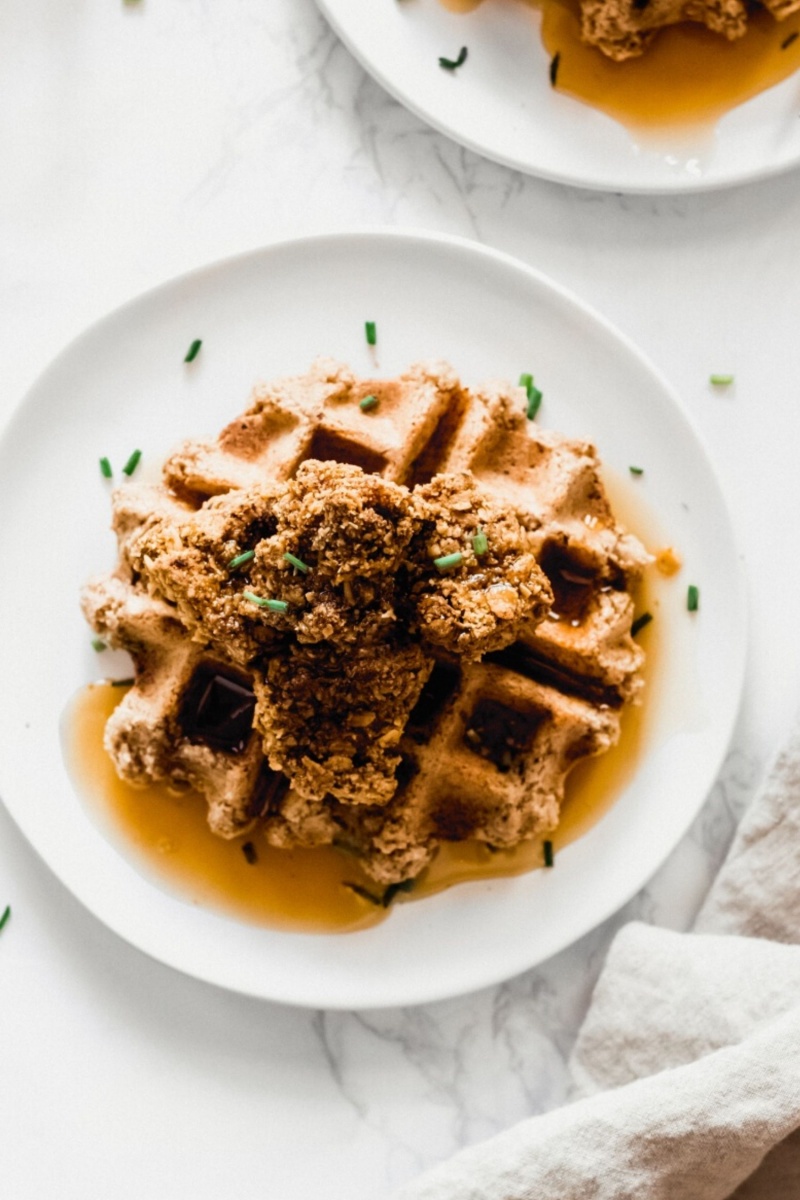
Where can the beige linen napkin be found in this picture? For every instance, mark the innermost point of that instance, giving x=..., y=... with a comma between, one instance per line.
x=688, y=1063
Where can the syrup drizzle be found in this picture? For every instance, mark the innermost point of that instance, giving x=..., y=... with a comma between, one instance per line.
x=163, y=832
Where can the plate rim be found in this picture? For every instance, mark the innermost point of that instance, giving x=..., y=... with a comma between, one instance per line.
x=418, y=995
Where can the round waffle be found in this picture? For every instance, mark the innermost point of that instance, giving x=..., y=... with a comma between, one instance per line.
x=379, y=701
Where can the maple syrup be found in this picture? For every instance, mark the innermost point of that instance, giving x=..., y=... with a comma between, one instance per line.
x=686, y=76
x=164, y=831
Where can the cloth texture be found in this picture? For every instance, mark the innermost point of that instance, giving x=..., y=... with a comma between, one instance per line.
x=687, y=1067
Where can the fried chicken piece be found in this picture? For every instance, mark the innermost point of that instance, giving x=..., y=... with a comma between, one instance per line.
x=332, y=719
x=186, y=560
x=624, y=28
x=339, y=662
x=478, y=604
x=350, y=531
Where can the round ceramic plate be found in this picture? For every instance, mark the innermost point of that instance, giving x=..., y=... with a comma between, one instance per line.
x=123, y=384
x=501, y=103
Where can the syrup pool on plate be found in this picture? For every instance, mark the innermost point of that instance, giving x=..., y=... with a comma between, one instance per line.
x=686, y=76
x=163, y=831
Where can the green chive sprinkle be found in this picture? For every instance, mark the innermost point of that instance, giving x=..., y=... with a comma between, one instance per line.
x=122, y=682
x=193, y=351
x=296, y=562
x=105, y=468
x=364, y=893
x=555, y=62
x=132, y=463
x=549, y=859
x=449, y=560
x=263, y=602
x=99, y=645
x=480, y=542
x=5, y=916
x=640, y=623
x=371, y=332
x=534, y=403
x=241, y=559
x=533, y=394
x=368, y=402
x=636, y=470
x=692, y=598
x=405, y=885
x=452, y=64
x=720, y=380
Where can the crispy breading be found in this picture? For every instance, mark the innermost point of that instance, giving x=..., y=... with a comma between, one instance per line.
x=479, y=604
x=338, y=671
x=331, y=719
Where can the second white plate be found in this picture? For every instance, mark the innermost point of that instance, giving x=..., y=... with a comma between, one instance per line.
x=501, y=103
x=123, y=384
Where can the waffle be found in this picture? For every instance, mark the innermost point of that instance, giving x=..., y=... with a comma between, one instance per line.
x=391, y=704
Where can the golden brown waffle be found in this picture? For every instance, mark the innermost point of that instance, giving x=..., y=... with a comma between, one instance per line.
x=145, y=735
x=485, y=750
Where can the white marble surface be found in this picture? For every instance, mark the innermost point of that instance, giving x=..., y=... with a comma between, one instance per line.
x=138, y=141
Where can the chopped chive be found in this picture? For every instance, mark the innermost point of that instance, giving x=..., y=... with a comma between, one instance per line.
x=720, y=380
x=452, y=64
x=99, y=645
x=480, y=542
x=640, y=623
x=533, y=394
x=264, y=602
x=241, y=559
x=249, y=851
x=193, y=351
x=534, y=403
x=787, y=41
x=692, y=598
x=405, y=885
x=296, y=562
x=364, y=893
x=554, y=65
x=132, y=463
x=371, y=332
x=636, y=470
x=547, y=848
x=368, y=402
x=5, y=916
x=449, y=560
x=122, y=682
x=105, y=468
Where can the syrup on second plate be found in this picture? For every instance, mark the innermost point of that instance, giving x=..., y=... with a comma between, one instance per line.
x=687, y=76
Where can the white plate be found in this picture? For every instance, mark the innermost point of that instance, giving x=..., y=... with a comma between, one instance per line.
x=501, y=104
x=123, y=384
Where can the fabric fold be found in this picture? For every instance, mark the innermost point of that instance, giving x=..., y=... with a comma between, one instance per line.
x=687, y=1067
